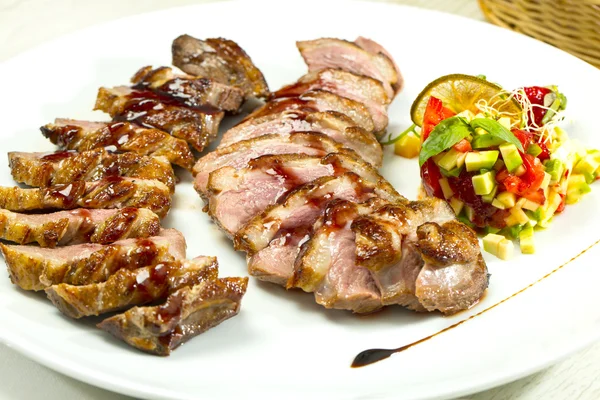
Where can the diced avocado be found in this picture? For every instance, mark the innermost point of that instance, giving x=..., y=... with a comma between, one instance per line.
x=555, y=168
x=408, y=146
x=498, y=245
x=486, y=141
x=577, y=187
x=507, y=198
x=457, y=205
x=469, y=212
x=489, y=198
x=452, y=173
x=526, y=241
x=513, y=231
x=483, y=183
x=587, y=165
x=477, y=160
x=534, y=149
x=450, y=160
x=510, y=155
x=498, y=204
x=446, y=189
x=519, y=215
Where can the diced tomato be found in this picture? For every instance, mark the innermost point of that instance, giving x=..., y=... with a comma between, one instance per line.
x=434, y=114
x=534, y=171
x=536, y=95
x=528, y=184
x=431, y=175
x=561, y=207
x=463, y=146
x=524, y=137
x=545, y=154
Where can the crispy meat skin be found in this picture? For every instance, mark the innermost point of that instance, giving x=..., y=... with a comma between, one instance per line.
x=319, y=100
x=63, y=167
x=186, y=313
x=126, y=287
x=197, y=126
x=78, y=226
x=70, y=134
x=191, y=91
x=239, y=154
x=221, y=60
x=365, y=90
x=237, y=195
x=33, y=268
x=111, y=192
x=336, y=53
x=333, y=124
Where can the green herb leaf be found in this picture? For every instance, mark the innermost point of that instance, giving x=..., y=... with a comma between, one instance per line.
x=496, y=129
x=445, y=135
x=400, y=136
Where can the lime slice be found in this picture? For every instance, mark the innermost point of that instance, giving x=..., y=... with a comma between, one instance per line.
x=461, y=92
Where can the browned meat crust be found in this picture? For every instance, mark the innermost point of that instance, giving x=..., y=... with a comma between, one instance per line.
x=196, y=125
x=126, y=287
x=69, y=134
x=187, y=313
x=34, y=268
x=221, y=60
x=64, y=167
x=111, y=192
x=78, y=226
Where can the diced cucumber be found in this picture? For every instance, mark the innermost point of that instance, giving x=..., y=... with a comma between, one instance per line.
x=510, y=155
x=483, y=183
x=534, y=149
x=526, y=241
x=477, y=160
x=489, y=198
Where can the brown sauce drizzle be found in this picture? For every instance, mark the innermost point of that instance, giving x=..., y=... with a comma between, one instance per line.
x=371, y=356
x=151, y=98
x=118, y=225
x=59, y=155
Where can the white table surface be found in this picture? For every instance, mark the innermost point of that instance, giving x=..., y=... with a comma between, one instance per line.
x=26, y=23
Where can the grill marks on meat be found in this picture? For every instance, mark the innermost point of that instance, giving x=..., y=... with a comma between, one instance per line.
x=69, y=134
x=34, y=268
x=273, y=238
x=196, y=125
x=186, y=313
x=78, y=226
x=336, y=53
x=335, y=125
x=222, y=60
x=111, y=192
x=188, y=90
x=127, y=287
x=64, y=167
x=235, y=196
x=239, y=154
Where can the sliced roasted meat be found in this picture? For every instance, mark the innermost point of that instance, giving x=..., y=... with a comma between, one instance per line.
x=35, y=268
x=127, y=287
x=239, y=154
x=111, y=192
x=196, y=125
x=70, y=134
x=64, y=167
x=78, y=226
x=319, y=100
x=273, y=238
x=375, y=48
x=327, y=262
x=336, y=53
x=454, y=276
x=186, y=313
x=365, y=90
x=191, y=91
x=335, y=125
x=237, y=195
x=221, y=60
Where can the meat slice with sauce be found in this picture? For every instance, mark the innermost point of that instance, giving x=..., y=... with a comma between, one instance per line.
x=185, y=314
x=319, y=100
x=239, y=154
x=273, y=239
x=221, y=60
x=337, y=53
x=365, y=90
x=335, y=125
x=131, y=287
x=78, y=226
x=110, y=192
x=70, y=134
x=64, y=167
x=237, y=195
x=35, y=268
x=198, y=126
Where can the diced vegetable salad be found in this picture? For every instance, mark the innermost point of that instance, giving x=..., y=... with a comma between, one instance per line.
x=505, y=174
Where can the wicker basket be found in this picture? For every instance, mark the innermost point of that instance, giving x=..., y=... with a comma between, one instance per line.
x=572, y=25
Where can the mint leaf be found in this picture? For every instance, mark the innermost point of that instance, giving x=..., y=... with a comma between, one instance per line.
x=445, y=135
x=496, y=129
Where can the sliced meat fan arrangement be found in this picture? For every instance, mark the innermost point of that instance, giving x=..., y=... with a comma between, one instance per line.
x=295, y=185
x=88, y=227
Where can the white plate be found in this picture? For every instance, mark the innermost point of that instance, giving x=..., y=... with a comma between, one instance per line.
x=282, y=343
